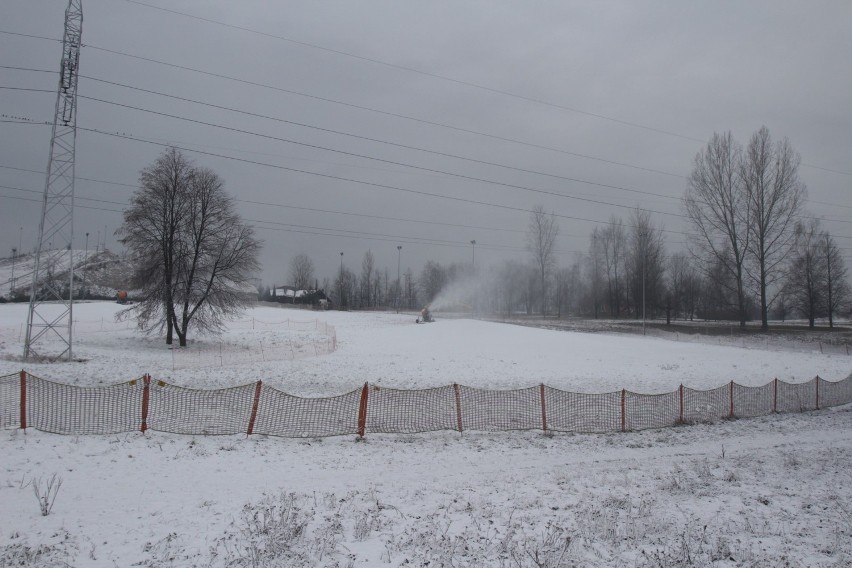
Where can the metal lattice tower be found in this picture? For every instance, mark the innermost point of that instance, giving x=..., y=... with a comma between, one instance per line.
x=51, y=303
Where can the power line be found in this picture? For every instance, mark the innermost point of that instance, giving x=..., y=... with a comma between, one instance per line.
x=402, y=164
x=425, y=73
x=377, y=140
x=396, y=115
x=360, y=182
x=422, y=168
x=444, y=78
x=367, y=157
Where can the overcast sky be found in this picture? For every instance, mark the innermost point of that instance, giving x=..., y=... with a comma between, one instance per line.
x=616, y=96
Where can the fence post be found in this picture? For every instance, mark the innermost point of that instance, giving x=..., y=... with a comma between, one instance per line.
x=23, y=400
x=362, y=411
x=543, y=409
x=817, y=391
x=775, y=397
x=680, y=413
x=254, y=406
x=146, y=394
x=458, y=407
x=731, y=396
x=623, y=410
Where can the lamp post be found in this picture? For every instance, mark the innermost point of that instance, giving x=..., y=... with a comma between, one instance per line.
x=12, y=280
x=642, y=236
x=340, y=283
x=398, y=281
x=85, y=260
x=473, y=248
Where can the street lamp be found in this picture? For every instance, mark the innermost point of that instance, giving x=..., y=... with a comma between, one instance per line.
x=12, y=280
x=85, y=260
x=473, y=246
x=642, y=237
x=398, y=282
x=341, y=263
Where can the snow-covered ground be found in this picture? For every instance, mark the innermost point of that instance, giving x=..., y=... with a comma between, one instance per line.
x=767, y=491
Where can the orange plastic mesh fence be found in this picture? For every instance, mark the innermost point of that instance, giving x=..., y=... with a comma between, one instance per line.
x=10, y=401
x=500, y=409
x=579, y=412
x=189, y=411
x=394, y=411
x=835, y=393
x=797, y=397
x=753, y=401
x=281, y=414
x=66, y=409
x=643, y=411
x=706, y=406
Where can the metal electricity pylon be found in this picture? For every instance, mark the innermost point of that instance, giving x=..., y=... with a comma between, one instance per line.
x=49, y=321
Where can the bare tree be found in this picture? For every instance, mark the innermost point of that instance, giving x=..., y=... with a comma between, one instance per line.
x=770, y=176
x=717, y=204
x=541, y=237
x=805, y=285
x=613, y=243
x=645, y=263
x=301, y=272
x=368, y=265
x=596, y=263
x=432, y=280
x=193, y=256
x=151, y=232
x=836, y=276
x=217, y=261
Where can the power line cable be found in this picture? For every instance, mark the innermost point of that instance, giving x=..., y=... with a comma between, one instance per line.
x=387, y=113
x=341, y=178
x=382, y=160
x=377, y=140
x=425, y=73
x=441, y=77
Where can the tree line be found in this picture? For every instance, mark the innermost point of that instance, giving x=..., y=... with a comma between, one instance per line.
x=752, y=254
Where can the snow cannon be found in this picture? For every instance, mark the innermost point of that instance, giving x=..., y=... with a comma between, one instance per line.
x=121, y=297
x=425, y=316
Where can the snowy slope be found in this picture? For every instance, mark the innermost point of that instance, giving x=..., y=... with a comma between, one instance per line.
x=768, y=491
x=103, y=270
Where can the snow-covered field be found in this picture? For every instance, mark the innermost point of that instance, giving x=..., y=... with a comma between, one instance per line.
x=767, y=491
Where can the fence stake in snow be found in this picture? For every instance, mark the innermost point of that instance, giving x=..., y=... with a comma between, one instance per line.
x=362, y=411
x=543, y=408
x=731, y=396
x=623, y=410
x=458, y=407
x=146, y=394
x=23, y=400
x=680, y=411
x=775, y=396
x=816, y=380
x=255, y=404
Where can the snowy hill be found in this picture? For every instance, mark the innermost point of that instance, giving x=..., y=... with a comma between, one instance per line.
x=101, y=272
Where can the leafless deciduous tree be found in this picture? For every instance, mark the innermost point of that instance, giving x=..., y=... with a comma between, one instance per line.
x=432, y=280
x=194, y=256
x=645, y=265
x=770, y=176
x=717, y=205
x=836, y=276
x=301, y=272
x=805, y=285
x=613, y=245
x=368, y=266
x=541, y=237
x=151, y=232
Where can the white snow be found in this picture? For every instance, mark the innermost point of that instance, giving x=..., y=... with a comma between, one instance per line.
x=767, y=491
